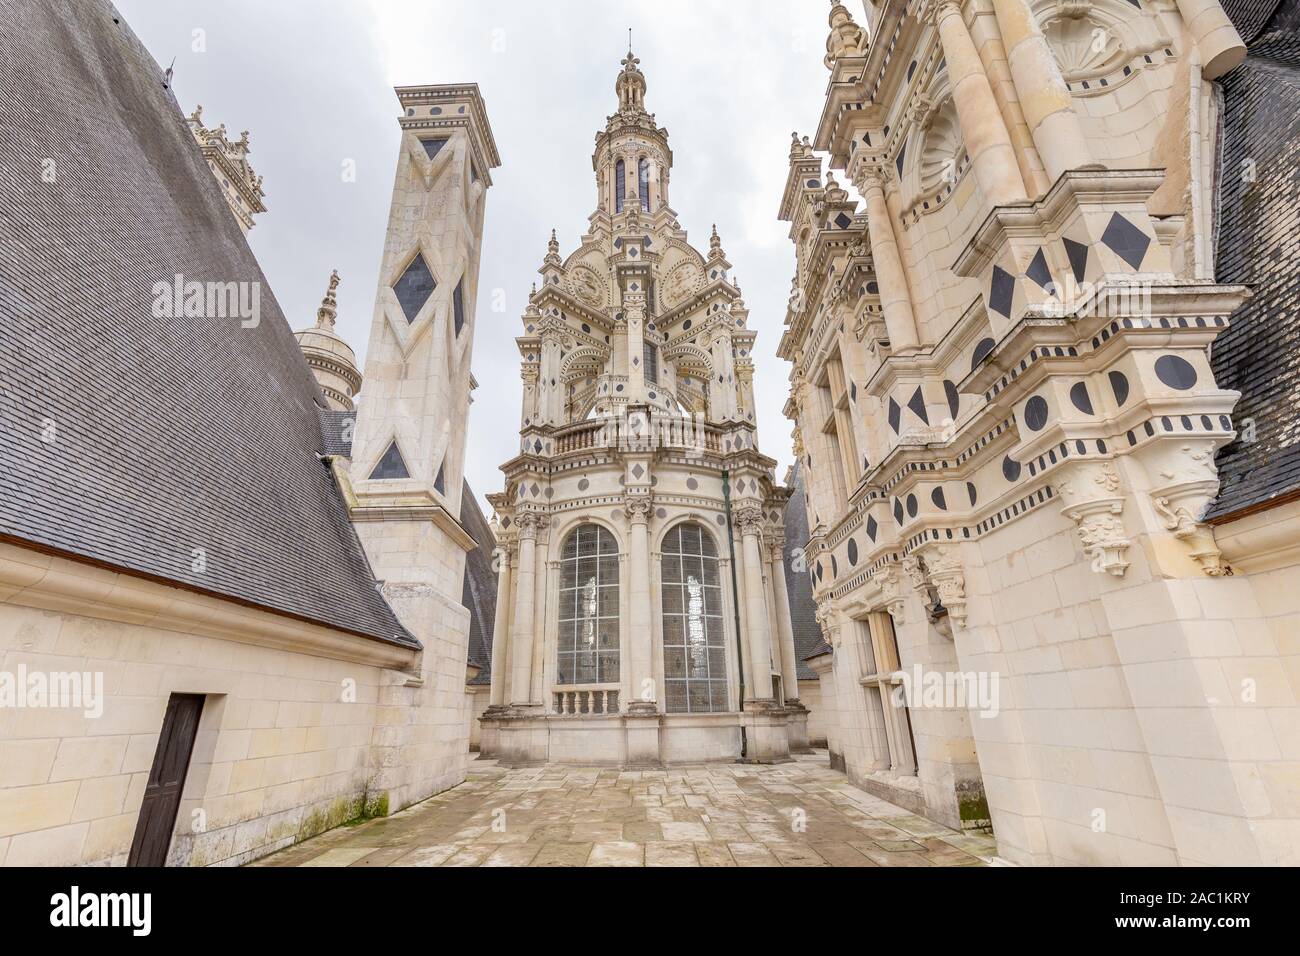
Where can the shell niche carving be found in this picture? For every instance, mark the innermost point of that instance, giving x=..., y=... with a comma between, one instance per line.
x=942, y=149
x=1083, y=47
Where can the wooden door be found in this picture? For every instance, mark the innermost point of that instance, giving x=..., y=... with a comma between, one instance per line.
x=162, y=794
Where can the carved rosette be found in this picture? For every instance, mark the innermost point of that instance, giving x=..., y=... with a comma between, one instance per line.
x=1094, y=501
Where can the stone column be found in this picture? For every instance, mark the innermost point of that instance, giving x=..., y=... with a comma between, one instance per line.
x=521, y=633
x=1216, y=38
x=1047, y=104
x=639, y=630
x=895, y=301
x=497, y=696
x=759, y=644
x=784, y=628
x=987, y=140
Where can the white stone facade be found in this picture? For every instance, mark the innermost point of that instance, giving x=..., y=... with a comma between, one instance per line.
x=1008, y=421
x=637, y=407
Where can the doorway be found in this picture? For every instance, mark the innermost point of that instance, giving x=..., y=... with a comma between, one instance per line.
x=162, y=793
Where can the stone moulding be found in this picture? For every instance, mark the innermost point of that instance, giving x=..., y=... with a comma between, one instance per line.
x=33, y=579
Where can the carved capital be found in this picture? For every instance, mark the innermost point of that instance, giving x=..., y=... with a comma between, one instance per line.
x=1094, y=501
x=638, y=508
x=750, y=520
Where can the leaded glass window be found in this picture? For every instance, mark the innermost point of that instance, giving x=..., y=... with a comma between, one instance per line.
x=695, y=656
x=414, y=287
x=643, y=182
x=458, y=306
x=620, y=185
x=588, y=609
x=650, y=360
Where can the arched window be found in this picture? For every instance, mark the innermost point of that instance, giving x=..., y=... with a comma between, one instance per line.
x=643, y=182
x=620, y=185
x=588, y=610
x=695, y=656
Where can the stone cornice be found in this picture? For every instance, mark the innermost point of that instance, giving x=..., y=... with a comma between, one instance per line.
x=34, y=579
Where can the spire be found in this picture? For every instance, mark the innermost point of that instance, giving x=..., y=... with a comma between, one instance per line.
x=329, y=306
x=552, y=251
x=846, y=39
x=630, y=85
x=715, y=246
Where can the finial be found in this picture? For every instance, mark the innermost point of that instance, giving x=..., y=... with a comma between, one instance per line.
x=629, y=41
x=167, y=74
x=328, y=310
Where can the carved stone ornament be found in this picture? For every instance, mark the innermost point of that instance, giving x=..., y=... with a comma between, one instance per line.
x=1094, y=502
x=891, y=591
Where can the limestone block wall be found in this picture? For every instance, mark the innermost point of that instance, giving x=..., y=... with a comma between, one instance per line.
x=290, y=739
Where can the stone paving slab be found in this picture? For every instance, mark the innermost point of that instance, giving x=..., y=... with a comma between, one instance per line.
x=800, y=814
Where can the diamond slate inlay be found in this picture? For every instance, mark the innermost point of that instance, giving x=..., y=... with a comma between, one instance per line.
x=895, y=415
x=1039, y=272
x=414, y=287
x=1002, y=290
x=917, y=404
x=1077, y=253
x=1126, y=240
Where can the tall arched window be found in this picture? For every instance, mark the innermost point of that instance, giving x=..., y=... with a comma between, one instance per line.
x=620, y=185
x=695, y=657
x=588, y=610
x=643, y=182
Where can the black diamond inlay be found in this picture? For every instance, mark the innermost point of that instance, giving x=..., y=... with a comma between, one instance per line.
x=1126, y=240
x=895, y=415
x=954, y=399
x=872, y=527
x=1077, y=253
x=432, y=147
x=898, y=511
x=439, y=484
x=1039, y=272
x=843, y=221
x=1001, y=291
x=917, y=404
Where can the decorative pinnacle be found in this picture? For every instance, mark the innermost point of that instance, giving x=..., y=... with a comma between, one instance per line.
x=328, y=310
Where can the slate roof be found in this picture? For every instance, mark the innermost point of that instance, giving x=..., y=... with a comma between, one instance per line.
x=181, y=449
x=803, y=609
x=479, y=592
x=1259, y=245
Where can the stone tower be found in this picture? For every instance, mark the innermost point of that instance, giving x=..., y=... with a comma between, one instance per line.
x=616, y=631
x=331, y=359
x=228, y=161
x=408, y=449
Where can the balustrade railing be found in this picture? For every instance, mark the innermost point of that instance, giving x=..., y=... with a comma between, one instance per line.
x=577, y=699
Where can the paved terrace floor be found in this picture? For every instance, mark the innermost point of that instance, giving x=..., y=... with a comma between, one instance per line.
x=795, y=814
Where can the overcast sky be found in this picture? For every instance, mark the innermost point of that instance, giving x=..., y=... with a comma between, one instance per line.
x=312, y=82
